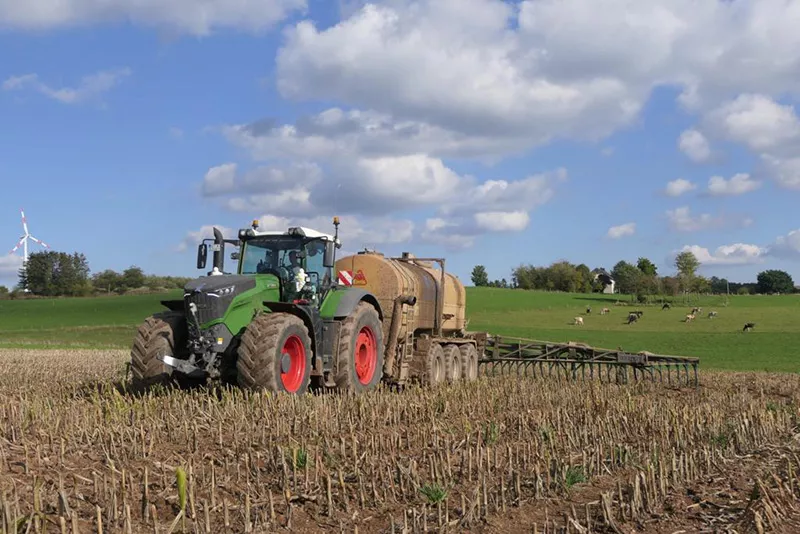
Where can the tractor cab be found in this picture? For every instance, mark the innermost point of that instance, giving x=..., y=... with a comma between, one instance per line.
x=300, y=258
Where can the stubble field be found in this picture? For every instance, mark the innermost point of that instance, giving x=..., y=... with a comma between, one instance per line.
x=79, y=453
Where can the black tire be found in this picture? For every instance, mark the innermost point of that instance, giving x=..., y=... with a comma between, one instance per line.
x=452, y=363
x=434, y=365
x=360, y=338
x=261, y=352
x=160, y=334
x=469, y=362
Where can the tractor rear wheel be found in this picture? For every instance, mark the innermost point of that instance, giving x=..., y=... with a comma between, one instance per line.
x=162, y=334
x=435, y=367
x=469, y=362
x=275, y=354
x=360, y=362
x=452, y=363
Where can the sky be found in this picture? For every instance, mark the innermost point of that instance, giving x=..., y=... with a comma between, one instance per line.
x=487, y=132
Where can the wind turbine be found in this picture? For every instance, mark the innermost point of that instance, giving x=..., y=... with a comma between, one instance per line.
x=23, y=242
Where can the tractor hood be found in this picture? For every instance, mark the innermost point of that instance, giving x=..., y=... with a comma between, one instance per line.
x=212, y=295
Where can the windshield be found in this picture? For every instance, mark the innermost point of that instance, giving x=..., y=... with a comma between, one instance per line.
x=281, y=254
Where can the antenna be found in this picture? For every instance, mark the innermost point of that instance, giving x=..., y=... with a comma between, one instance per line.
x=23, y=242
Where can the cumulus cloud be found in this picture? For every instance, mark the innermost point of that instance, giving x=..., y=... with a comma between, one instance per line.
x=622, y=230
x=681, y=220
x=195, y=237
x=787, y=246
x=738, y=184
x=695, y=145
x=766, y=127
x=88, y=88
x=678, y=187
x=195, y=17
x=736, y=254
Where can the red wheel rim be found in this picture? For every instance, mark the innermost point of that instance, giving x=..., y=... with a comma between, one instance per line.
x=366, y=355
x=293, y=378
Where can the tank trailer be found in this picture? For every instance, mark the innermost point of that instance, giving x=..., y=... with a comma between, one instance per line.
x=291, y=316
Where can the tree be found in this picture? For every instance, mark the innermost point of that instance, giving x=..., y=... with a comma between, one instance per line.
x=647, y=267
x=51, y=273
x=133, y=277
x=479, y=276
x=108, y=281
x=627, y=277
x=687, y=263
x=4, y=293
x=775, y=281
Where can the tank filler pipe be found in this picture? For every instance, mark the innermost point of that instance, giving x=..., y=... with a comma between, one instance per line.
x=394, y=331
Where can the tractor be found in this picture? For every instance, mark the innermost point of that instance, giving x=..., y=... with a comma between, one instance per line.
x=280, y=323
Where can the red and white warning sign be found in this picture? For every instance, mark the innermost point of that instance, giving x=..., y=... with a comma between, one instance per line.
x=346, y=278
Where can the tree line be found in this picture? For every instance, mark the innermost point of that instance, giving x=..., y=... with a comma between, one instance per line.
x=59, y=274
x=640, y=280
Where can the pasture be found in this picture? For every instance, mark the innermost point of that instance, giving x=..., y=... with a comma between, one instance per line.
x=110, y=322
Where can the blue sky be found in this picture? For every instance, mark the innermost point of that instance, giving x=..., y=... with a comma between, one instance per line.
x=484, y=131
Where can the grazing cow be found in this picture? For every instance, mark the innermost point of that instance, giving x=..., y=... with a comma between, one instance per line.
x=696, y=310
x=748, y=327
x=712, y=314
x=632, y=318
x=690, y=317
x=588, y=310
x=579, y=320
x=666, y=306
x=639, y=313
x=605, y=311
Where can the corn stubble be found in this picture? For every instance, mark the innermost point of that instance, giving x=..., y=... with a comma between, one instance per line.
x=78, y=455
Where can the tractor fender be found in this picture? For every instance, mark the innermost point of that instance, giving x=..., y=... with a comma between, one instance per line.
x=350, y=299
x=173, y=305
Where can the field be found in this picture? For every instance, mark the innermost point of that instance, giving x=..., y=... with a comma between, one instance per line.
x=110, y=322
x=81, y=453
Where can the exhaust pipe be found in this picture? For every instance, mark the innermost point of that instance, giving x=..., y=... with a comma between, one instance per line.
x=394, y=331
x=219, y=250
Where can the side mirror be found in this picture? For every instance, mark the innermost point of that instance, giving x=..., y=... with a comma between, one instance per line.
x=202, y=255
x=327, y=260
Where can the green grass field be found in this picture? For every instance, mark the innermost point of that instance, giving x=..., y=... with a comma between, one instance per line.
x=719, y=343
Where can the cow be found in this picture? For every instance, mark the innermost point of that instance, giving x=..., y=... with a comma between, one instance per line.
x=579, y=320
x=748, y=327
x=632, y=317
x=605, y=311
x=712, y=314
x=690, y=317
x=666, y=306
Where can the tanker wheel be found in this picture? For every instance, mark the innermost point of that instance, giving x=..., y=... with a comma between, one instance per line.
x=452, y=363
x=469, y=362
x=435, y=366
x=360, y=362
x=162, y=334
x=275, y=354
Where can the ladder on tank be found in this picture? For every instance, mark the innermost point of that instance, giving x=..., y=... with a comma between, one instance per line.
x=408, y=345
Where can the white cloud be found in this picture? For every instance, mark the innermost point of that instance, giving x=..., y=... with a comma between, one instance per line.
x=196, y=17
x=738, y=184
x=736, y=254
x=770, y=129
x=219, y=180
x=681, y=219
x=549, y=69
x=678, y=187
x=89, y=87
x=787, y=246
x=622, y=230
x=502, y=221
x=695, y=145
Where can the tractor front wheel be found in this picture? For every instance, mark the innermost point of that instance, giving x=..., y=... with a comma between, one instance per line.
x=162, y=334
x=275, y=354
x=360, y=361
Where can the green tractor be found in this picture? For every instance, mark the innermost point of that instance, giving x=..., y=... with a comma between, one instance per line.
x=280, y=323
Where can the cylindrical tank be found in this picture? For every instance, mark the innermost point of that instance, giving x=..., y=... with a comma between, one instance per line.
x=389, y=278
